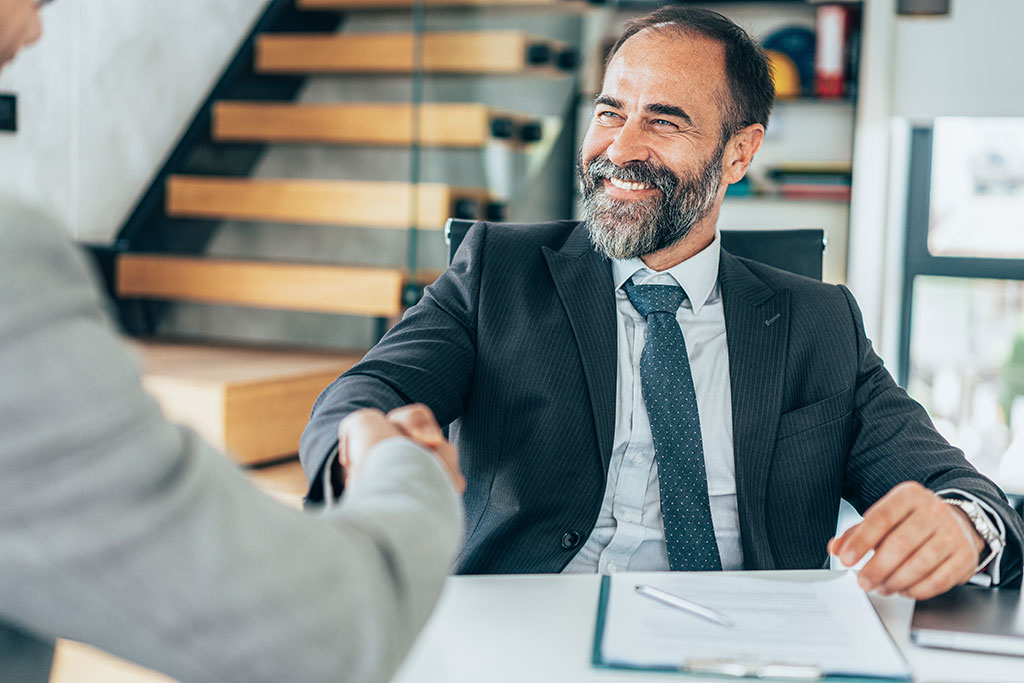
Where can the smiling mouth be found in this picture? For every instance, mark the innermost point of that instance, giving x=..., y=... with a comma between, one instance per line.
x=632, y=187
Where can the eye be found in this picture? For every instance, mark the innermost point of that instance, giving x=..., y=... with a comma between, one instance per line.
x=663, y=125
x=608, y=117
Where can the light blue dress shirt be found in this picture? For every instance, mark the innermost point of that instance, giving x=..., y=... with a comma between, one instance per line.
x=629, y=535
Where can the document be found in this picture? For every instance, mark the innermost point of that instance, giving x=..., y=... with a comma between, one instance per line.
x=771, y=627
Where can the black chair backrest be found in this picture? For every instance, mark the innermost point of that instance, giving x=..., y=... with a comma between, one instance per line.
x=797, y=251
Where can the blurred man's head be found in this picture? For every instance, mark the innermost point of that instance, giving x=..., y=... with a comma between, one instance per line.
x=19, y=26
x=685, y=101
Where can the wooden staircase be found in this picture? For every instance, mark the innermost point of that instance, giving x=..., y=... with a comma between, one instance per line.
x=252, y=402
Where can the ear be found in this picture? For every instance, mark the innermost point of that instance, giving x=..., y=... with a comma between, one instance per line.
x=740, y=151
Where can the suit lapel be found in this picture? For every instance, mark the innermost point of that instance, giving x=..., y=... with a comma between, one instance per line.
x=757, y=333
x=583, y=280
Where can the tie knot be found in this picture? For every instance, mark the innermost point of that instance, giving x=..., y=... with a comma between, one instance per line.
x=647, y=299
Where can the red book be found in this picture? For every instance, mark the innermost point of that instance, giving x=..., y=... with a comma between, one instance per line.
x=834, y=24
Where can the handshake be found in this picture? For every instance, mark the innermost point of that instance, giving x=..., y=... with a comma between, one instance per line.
x=360, y=431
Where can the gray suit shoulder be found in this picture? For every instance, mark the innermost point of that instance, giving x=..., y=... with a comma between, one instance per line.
x=37, y=253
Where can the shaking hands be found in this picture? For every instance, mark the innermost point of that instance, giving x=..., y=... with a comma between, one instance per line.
x=360, y=431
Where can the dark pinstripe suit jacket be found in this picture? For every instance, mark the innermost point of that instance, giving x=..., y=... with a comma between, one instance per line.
x=515, y=346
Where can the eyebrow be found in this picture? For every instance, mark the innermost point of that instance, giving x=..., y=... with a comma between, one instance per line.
x=668, y=110
x=655, y=108
x=609, y=101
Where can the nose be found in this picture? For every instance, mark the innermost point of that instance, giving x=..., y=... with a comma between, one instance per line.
x=630, y=144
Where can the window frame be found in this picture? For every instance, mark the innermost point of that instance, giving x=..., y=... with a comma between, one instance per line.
x=918, y=260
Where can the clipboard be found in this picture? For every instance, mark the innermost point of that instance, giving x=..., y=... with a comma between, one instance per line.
x=725, y=667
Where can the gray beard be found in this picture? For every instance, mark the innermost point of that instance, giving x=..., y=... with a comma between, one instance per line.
x=630, y=229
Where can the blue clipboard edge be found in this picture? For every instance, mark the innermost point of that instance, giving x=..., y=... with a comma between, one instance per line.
x=599, y=662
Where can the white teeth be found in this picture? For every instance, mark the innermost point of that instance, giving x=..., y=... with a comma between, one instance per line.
x=623, y=185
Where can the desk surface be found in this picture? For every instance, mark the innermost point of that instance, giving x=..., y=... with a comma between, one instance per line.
x=540, y=628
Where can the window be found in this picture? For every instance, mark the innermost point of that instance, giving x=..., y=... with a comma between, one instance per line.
x=977, y=188
x=962, y=341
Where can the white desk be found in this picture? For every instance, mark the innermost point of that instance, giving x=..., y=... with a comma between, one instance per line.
x=540, y=628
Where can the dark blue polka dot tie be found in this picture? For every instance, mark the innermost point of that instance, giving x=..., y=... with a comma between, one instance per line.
x=671, y=401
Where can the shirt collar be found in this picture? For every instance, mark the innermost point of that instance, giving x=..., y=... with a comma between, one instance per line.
x=697, y=275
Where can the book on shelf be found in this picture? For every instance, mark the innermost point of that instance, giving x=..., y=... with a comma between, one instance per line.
x=837, y=32
x=821, y=181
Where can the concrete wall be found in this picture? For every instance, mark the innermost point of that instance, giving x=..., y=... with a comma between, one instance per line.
x=105, y=95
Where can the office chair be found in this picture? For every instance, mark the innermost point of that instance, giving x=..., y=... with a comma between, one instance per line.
x=797, y=251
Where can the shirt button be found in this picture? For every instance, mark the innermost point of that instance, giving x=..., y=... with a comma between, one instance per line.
x=637, y=458
x=610, y=568
x=570, y=539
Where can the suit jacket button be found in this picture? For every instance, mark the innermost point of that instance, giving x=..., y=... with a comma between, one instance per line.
x=571, y=539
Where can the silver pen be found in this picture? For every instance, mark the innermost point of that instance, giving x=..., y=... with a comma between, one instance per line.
x=714, y=616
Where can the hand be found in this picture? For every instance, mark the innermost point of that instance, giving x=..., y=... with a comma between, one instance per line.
x=923, y=546
x=19, y=27
x=417, y=422
x=360, y=431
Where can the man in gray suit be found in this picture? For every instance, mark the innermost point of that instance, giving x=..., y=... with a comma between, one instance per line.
x=626, y=395
x=126, y=532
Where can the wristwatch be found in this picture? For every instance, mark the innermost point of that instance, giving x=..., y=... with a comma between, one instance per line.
x=983, y=525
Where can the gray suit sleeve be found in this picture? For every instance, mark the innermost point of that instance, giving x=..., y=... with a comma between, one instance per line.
x=126, y=532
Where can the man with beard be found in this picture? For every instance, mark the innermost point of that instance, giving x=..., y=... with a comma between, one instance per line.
x=627, y=396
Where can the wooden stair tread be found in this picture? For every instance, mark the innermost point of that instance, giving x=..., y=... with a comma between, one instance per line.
x=251, y=403
x=323, y=202
x=287, y=286
x=440, y=124
x=491, y=52
x=236, y=365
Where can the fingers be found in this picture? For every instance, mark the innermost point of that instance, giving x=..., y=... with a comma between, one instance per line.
x=879, y=520
x=362, y=430
x=919, y=548
x=450, y=460
x=936, y=562
x=941, y=579
x=417, y=422
x=358, y=432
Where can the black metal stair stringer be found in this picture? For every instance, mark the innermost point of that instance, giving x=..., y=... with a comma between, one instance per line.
x=148, y=228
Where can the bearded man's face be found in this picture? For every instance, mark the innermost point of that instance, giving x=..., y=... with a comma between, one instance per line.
x=629, y=228
x=651, y=164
